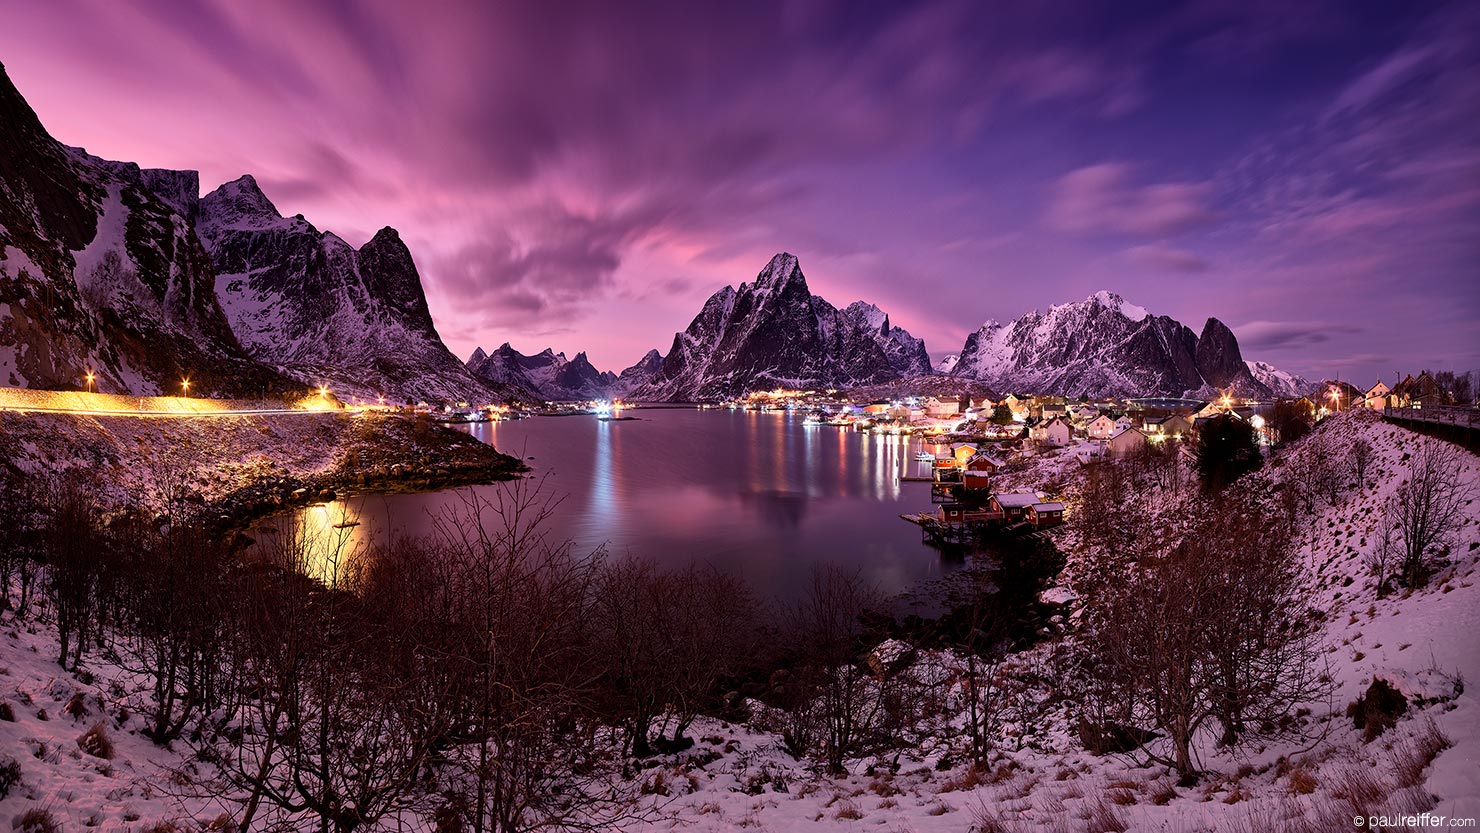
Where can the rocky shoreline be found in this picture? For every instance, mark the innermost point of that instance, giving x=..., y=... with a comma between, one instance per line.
x=229, y=471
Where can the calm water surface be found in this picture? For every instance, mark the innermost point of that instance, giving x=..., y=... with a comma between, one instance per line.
x=757, y=494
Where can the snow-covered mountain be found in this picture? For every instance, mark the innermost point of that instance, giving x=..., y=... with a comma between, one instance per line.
x=947, y=364
x=545, y=375
x=1278, y=381
x=775, y=332
x=100, y=271
x=638, y=374
x=1104, y=346
x=320, y=310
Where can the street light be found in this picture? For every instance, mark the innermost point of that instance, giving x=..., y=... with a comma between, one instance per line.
x=90, y=381
x=185, y=386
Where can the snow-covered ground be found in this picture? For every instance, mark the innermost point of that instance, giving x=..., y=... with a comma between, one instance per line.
x=740, y=777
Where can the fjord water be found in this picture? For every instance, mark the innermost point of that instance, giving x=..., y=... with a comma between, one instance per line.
x=757, y=494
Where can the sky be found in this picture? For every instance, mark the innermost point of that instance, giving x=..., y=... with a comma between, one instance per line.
x=583, y=175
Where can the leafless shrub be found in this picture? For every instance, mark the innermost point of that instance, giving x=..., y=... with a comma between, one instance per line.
x=1101, y=817
x=1361, y=789
x=95, y=742
x=38, y=820
x=1411, y=757
x=1302, y=782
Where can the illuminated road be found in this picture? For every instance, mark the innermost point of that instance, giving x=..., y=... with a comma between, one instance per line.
x=80, y=403
x=176, y=414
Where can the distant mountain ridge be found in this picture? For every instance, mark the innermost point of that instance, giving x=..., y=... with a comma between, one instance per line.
x=1279, y=382
x=773, y=332
x=1104, y=346
x=547, y=375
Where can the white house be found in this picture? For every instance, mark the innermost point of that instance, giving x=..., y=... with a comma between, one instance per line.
x=941, y=409
x=1123, y=423
x=1101, y=428
x=1124, y=442
x=1377, y=396
x=1054, y=433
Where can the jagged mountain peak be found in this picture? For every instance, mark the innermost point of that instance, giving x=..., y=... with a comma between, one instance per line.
x=1113, y=300
x=387, y=234
x=775, y=332
x=545, y=375
x=246, y=196
x=478, y=357
x=308, y=301
x=241, y=205
x=781, y=271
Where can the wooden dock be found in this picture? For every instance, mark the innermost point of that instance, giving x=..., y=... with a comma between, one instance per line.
x=938, y=533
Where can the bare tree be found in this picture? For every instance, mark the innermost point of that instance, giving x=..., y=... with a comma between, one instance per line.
x=18, y=543
x=668, y=638
x=329, y=719
x=827, y=629
x=1210, y=634
x=1428, y=505
x=179, y=599
x=1361, y=460
x=529, y=747
x=74, y=550
x=1385, y=555
x=985, y=647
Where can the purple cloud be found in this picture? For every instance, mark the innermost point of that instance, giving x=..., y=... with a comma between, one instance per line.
x=1102, y=198
x=1167, y=258
x=1272, y=335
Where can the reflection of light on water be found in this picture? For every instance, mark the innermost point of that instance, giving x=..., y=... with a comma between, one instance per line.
x=809, y=474
x=323, y=551
x=603, y=491
x=781, y=453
